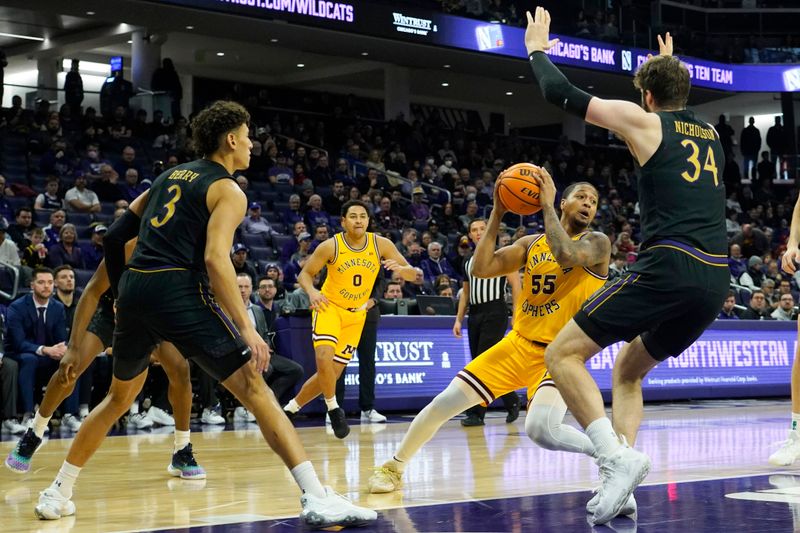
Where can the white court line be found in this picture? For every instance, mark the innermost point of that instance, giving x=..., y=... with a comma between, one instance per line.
x=429, y=502
x=218, y=506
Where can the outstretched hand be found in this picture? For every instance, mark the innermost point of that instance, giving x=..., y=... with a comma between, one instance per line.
x=537, y=34
x=665, y=46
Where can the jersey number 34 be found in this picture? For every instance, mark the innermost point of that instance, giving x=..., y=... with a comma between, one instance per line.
x=709, y=164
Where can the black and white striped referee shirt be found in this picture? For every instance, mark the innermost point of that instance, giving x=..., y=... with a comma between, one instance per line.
x=481, y=290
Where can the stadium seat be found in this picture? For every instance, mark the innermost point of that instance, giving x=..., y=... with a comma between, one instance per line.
x=261, y=253
x=82, y=277
x=279, y=241
x=79, y=219
x=253, y=239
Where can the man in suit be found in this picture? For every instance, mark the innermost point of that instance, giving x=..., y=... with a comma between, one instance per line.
x=37, y=334
x=282, y=373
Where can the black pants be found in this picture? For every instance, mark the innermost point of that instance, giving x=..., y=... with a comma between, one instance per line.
x=366, y=368
x=9, y=371
x=487, y=326
x=282, y=375
x=206, y=388
x=156, y=387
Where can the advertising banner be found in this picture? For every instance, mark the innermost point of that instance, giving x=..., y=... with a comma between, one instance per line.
x=416, y=358
x=412, y=24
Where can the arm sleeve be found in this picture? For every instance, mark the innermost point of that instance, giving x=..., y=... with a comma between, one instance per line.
x=556, y=88
x=120, y=232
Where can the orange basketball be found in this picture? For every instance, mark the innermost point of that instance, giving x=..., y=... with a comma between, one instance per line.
x=517, y=189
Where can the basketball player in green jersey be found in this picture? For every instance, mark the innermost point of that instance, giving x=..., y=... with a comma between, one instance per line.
x=677, y=285
x=185, y=225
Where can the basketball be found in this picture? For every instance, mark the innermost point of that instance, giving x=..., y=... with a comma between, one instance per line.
x=518, y=190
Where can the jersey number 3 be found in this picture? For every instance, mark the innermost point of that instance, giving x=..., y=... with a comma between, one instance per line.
x=709, y=165
x=157, y=222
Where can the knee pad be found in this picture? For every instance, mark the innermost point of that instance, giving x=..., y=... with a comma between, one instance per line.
x=539, y=425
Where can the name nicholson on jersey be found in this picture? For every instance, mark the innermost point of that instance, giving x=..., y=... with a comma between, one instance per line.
x=693, y=130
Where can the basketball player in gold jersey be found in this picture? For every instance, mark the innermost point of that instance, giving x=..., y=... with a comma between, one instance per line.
x=558, y=278
x=353, y=258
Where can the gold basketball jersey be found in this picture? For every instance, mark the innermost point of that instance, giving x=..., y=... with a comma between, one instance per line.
x=351, y=273
x=551, y=295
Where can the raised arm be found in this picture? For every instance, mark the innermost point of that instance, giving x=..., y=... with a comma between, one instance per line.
x=626, y=119
x=594, y=250
x=487, y=262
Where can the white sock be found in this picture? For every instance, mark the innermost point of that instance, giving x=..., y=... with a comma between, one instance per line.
x=307, y=479
x=795, y=421
x=134, y=410
x=181, y=439
x=292, y=406
x=603, y=436
x=446, y=405
x=83, y=411
x=40, y=424
x=331, y=403
x=66, y=479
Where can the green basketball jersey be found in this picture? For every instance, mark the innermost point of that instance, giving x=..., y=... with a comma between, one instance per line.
x=681, y=193
x=175, y=220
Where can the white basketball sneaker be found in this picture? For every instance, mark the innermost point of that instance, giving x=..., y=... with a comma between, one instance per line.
x=333, y=510
x=53, y=505
x=385, y=479
x=788, y=452
x=628, y=509
x=139, y=421
x=70, y=422
x=372, y=416
x=211, y=417
x=240, y=414
x=621, y=472
x=160, y=416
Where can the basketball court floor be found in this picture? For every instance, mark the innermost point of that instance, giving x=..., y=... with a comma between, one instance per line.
x=709, y=474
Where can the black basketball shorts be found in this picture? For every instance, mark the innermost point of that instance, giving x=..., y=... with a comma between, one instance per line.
x=669, y=296
x=102, y=325
x=173, y=305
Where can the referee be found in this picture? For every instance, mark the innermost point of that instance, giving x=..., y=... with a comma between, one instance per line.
x=488, y=319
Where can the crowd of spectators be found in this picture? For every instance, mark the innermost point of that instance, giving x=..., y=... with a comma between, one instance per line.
x=68, y=173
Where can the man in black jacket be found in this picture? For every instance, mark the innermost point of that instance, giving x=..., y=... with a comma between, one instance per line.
x=750, y=144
